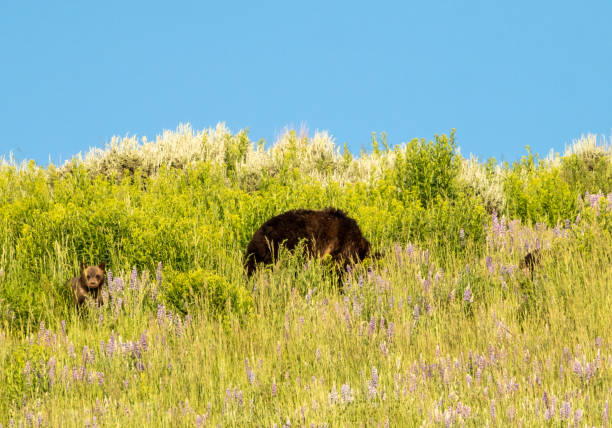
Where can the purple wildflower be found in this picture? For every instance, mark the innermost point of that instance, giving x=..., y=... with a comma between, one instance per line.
x=490, y=265
x=390, y=330
x=158, y=274
x=606, y=413
x=578, y=416
x=374, y=377
x=133, y=280
x=161, y=313
x=467, y=295
x=143, y=341
x=565, y=410
x=461, y=233
x=347, y=393
x=398, y=254
x=371, y=326
x=492, y=410
x=111, y=344
x=274, y=389
x=249, y=371
x=415, y=313
x=333, y=395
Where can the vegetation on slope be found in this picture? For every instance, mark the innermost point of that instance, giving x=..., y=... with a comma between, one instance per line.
x=445, y=329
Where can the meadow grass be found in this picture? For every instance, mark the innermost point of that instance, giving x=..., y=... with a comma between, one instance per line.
x=445, y=329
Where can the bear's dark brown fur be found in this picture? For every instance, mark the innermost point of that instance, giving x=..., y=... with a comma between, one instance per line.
x=530, y=261
x=89, y=284
x=329, y=231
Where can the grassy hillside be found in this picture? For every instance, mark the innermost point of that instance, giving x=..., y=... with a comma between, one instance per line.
x=445, y=329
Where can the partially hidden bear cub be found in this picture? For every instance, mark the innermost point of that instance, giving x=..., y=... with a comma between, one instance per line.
x=89, y=284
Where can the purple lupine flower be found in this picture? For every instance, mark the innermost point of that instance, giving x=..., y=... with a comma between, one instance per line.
x=598, y=341
x=133, y=279
x=333, y=395
x=492, y=410
x=390, y=330
x=467, y=295
x=605, y=413
x=249, y=371
x=161, y=313
x=111, y=344
x=371, y=326
x=179, y=327
x=415, y=312
x=490, y=265
x=274, y=389
x=398, y=254
x=347, y=394
x=158, y=274
x=577, y=218
x=511, y=414
x=374, y=377
x=199, y=421
x=461, y=233
x=383, y=348
x=63, y=325
x=100, y=378
x=565, y=410
x=578, y=416
x=143, y=341
x=109, y=281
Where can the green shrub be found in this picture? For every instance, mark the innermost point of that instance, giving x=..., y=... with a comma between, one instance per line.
x=426, y=170
x=25, y=373
x=184, y=290
x=588, y=171
x=537, y=192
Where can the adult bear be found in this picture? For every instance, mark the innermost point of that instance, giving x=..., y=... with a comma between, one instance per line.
x=329, y=231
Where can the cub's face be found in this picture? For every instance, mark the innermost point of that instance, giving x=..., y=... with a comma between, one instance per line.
x=93, y=276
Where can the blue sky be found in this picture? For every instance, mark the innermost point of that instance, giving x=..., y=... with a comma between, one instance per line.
x=504, y=74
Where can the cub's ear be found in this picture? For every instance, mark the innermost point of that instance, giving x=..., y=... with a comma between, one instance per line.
x=83, y=266
x=102, y=265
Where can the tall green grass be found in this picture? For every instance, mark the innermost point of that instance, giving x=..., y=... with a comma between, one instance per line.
x=445, y=329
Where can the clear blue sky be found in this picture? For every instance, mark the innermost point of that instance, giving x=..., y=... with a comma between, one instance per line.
x=504, y=74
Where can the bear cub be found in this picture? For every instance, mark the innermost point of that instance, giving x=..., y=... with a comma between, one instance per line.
x=89, y=284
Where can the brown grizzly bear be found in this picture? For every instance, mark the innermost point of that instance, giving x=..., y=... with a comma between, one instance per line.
x=329, y=231
x=88, y=285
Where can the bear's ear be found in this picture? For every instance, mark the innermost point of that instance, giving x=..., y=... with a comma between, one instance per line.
x=102, y=266
x=83, y=266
